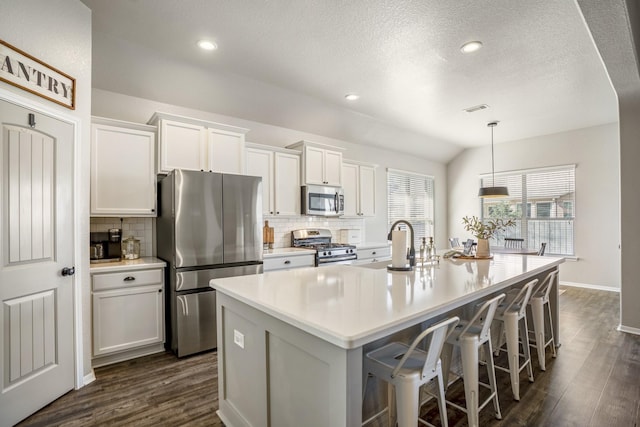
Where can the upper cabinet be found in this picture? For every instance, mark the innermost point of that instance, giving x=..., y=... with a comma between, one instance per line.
x=123, y=181
x=359, y=185
x=321, y=164
x=280, y=172
x=186, y=143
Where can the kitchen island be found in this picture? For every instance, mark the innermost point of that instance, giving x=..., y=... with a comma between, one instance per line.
x=290, y=343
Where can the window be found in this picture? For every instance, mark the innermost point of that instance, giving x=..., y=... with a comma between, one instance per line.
x=410, y=197
x=549, y=197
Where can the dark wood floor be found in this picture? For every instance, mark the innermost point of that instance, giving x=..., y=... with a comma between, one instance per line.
x=594, y=381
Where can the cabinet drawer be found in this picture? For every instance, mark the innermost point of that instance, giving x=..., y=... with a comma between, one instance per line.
x=378, y=253
x=126, y=279
x=281, y=263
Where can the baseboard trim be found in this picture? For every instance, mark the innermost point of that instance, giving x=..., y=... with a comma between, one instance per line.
x=589, y=286
x=89, y=378
x=628, y=329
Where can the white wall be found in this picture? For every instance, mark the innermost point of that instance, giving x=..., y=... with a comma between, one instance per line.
x=138, y=110
x=595, y=151
x=58, y=32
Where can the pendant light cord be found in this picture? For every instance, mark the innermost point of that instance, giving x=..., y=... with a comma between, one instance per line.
x=493, y=173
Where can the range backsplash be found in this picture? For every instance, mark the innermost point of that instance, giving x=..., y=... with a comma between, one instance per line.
x=282, y=227
x=140, y=228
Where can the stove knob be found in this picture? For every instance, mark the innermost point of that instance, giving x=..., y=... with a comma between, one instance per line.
x=329, y=253
x=325, y=254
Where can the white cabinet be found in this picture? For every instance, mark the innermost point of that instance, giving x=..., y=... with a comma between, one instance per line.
x=123, y=179
x=359, y=185
x=280, y=172
x=186, y=143
x=373, y=253
x=128, y=314
x=287, y=261
x=321, y=164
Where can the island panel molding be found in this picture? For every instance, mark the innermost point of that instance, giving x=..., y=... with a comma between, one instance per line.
x=26, y=72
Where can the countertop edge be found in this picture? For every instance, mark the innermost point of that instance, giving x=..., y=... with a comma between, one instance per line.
x=127, y=265
x=285, y=252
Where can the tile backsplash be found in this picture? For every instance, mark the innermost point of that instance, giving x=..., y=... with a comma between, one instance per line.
x=282, y=227
x=143, y=228
x=140, y=228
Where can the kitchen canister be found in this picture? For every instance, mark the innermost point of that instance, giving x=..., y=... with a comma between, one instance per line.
x=131, y=248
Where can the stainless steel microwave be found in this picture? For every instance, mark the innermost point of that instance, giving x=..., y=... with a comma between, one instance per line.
x=322, y=200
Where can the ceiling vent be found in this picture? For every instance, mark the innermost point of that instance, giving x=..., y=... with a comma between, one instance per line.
x=476, y=108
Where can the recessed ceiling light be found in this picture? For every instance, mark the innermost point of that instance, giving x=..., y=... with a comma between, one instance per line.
x=351, y=97
x=470, y=46
x=207, y=45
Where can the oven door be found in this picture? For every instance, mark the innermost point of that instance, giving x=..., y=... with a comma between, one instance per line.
x=322, y=201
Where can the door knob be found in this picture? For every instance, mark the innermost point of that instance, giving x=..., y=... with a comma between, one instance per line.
x=68, y=271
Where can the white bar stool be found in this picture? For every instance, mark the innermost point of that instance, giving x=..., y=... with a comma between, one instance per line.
x=407, y=368
x=512, y=315
x=470, y=336
x=540, y=298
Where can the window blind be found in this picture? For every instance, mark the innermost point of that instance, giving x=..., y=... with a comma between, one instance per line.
x=542, y=202
x=410, y=197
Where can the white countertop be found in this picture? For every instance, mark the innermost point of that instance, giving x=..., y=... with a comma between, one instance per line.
x=126, y=265
x=352, y=305
x=369, y=245
x=280, y=252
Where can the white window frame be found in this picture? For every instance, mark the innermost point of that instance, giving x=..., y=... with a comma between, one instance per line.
x=557, y=225
x=423, y=224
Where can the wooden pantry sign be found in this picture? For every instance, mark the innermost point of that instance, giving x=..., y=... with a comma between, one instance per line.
x=22, y=70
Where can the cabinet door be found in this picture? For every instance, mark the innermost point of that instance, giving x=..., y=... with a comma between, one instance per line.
x=260, y=163
x=367, y=191
x=122, y=171
x=287, y=184
x=226, y=151
x=314, y=165
x=182, y=146
x=333, y=168
x=350, y=179
x=127, y=318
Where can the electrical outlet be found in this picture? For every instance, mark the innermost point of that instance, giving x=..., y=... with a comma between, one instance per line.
x=238, y=338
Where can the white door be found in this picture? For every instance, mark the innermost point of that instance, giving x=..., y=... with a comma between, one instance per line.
x=36, y=254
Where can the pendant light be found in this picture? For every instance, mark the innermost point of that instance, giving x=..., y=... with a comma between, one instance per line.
x=489, y=192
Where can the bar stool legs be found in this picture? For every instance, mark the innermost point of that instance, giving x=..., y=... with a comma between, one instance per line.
x=470, y=336
x=539, y=299
x=537, y=311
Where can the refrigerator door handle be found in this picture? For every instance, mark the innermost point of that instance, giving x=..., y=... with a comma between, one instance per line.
x=336, y=201
x=183, y=305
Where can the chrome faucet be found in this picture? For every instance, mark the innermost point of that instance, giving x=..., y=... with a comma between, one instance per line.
x=412, y=249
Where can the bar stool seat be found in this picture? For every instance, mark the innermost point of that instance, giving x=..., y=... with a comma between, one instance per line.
x=408, y=368
x=470, y=336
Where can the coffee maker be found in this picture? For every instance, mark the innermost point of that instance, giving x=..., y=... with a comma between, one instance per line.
x=105, y=246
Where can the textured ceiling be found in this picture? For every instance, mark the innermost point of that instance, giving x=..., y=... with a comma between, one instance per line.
x=290, y=63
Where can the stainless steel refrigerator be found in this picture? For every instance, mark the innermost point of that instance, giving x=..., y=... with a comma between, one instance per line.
x=208, y=226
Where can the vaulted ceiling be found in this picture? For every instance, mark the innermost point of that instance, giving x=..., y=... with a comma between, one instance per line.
x=290, y=63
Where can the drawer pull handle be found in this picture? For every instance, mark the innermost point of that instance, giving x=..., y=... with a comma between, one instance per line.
x=287, y=262
x=129, y=279
x=374, y=252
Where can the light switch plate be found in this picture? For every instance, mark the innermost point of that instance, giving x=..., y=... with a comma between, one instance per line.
x=238, y=338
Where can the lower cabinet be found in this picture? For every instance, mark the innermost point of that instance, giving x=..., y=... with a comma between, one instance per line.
x=371, y=254
x=286, y=262
x=128, y=315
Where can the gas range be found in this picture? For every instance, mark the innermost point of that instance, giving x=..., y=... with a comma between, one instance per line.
x=320, y=240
